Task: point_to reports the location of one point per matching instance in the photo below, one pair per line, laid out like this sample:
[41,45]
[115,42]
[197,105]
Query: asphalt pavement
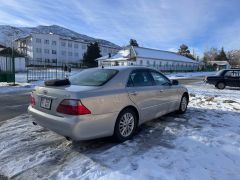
[14,104]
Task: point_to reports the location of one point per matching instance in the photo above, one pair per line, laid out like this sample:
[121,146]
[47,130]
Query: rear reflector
[32,100]
[72,107]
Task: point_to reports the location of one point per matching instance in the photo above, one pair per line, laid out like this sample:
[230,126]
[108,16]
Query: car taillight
[72,107]
[32,100]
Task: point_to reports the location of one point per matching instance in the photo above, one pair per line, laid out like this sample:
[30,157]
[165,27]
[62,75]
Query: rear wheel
[126,125]
[183,105]
[220,85]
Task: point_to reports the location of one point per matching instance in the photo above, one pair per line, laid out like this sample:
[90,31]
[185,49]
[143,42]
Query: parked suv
[227,77]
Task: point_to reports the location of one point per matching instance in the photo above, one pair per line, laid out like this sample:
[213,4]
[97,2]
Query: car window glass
[92,77]
[159,78]
[140,78]
[232,74]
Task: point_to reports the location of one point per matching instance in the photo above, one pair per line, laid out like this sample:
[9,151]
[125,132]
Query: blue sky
[162,24]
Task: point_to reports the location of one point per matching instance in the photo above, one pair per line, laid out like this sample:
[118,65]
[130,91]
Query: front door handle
[160,90]
[133,93]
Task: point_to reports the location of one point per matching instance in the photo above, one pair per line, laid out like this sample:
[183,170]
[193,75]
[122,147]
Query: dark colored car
[226,77]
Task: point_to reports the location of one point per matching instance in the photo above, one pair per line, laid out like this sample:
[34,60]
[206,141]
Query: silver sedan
[112,101]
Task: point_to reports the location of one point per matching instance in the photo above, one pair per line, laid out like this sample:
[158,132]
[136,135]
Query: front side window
[140,78]
[160,79]
[92,77]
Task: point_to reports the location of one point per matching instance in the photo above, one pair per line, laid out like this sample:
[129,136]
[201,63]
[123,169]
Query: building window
[54,60]
[54,43]
[141,62]
[46,51]
[38,50]
[54,52]
[38,40]
[69,44]
[63,53]
[75,45]
[63,44]
[84,46]
[76,54]
[47,60]
[46,41]
[148,63]
[154,63]
[69,53]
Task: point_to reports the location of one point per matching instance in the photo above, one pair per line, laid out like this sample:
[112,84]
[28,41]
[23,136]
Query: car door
[142,92]
[168,94]
[232,78]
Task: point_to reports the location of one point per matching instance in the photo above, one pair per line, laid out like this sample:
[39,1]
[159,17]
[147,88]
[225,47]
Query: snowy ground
[204,144]
[189,74]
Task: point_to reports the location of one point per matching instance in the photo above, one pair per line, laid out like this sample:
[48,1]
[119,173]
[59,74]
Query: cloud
[159,24]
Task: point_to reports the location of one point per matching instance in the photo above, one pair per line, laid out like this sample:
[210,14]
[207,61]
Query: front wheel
[220,85]
[183,105]
[126,125]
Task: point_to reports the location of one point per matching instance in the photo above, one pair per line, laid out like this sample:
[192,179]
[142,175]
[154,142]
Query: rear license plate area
[45,103]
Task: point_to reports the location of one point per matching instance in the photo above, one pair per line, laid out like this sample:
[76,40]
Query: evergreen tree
[184,51]
[221,56]
[89,57]
[133,42]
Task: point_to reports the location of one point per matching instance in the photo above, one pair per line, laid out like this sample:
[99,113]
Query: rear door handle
[133,93]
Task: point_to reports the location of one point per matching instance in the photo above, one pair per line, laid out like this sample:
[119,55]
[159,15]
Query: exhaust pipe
[68,138]
[34,123]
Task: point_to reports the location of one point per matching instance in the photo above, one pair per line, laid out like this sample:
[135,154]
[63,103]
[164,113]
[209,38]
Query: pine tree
[221,56]
[133,42]
[185,51]
[89,57]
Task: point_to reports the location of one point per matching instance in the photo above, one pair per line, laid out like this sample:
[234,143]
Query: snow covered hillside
[7,33]
[201,144]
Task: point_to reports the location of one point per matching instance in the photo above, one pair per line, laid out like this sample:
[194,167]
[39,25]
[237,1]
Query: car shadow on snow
[161,133]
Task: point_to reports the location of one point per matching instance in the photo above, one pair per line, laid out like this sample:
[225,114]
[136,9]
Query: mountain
[8,33]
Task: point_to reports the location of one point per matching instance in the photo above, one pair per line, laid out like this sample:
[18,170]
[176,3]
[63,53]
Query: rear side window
[93,77]
[140,78]
[232,74]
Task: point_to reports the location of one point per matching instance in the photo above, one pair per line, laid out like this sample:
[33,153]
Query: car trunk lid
[47,98]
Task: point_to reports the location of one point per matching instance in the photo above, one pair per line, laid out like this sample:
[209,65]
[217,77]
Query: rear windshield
[219,73]
[92,77]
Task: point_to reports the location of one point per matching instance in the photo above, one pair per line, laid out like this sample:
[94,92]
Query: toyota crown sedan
[100,102]
[225,77]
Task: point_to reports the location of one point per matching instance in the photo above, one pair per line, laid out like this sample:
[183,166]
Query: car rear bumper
[76,127]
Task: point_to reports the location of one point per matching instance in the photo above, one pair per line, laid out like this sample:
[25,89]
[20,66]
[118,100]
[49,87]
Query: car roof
[125,67]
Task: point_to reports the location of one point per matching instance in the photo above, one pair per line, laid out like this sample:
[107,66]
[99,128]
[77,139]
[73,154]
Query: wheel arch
[134,109]
[187,95]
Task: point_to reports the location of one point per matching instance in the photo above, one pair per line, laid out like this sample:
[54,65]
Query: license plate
[46,103]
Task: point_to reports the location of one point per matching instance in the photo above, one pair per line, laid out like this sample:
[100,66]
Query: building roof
[1,46]
[220,63]
[160,54]
[141,52]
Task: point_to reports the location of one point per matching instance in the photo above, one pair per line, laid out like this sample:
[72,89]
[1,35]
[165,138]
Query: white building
[54,48]
[158,59]
[218,65]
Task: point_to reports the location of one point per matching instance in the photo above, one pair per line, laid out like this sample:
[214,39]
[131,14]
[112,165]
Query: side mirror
[175,82]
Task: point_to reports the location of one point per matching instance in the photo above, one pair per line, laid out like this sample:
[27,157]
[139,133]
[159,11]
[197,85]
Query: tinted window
[159,79]
[232,74]
[140,78]
[92,77]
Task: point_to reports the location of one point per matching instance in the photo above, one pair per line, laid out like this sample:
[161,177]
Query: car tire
[220,85]
[183,104]
[126,125]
